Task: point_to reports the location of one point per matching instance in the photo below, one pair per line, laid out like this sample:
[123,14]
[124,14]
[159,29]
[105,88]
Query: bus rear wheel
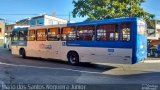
[73,58]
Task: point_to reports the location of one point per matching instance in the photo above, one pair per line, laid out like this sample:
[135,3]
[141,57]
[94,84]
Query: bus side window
[68,33]
[22,35]
[125,31]
[14,36]
[53,34]
[31,35]
[85,33]
[107,32]
[41,35]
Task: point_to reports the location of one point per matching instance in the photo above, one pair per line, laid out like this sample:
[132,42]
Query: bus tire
[73,58]
[23,53]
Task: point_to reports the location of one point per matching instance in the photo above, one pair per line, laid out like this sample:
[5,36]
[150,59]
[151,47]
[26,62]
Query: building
[8,31]
[41,20]
[153,31]
[8,28]
[2,34]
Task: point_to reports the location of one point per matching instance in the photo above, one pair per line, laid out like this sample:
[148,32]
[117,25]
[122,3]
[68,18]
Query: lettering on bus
[110,50]
[44,46]
[63,43]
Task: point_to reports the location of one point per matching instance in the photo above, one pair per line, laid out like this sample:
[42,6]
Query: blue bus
[120,40]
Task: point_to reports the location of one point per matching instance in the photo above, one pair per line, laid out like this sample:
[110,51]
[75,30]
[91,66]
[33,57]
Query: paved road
[15,70]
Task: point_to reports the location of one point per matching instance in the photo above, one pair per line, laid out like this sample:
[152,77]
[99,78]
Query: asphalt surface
[15,70]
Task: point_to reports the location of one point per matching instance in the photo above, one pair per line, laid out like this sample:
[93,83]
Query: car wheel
[156,55]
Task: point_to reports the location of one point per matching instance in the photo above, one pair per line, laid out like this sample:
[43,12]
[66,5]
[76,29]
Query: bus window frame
[26,33]
[117,28]
[34,35]
[45,33]
[12,40]
[58,33]
[121,33]
[93,35]
[61,32]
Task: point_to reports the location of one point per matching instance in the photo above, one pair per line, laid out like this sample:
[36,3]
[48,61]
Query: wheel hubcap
[72,59]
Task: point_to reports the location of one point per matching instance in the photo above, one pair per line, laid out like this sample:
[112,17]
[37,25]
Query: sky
[62,8]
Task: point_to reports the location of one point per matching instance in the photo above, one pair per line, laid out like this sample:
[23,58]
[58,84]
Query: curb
[151,61]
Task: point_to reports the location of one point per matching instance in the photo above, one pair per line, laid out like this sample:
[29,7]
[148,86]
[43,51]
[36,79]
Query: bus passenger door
[56,47]
[52,50]
[49,50]
[14,42]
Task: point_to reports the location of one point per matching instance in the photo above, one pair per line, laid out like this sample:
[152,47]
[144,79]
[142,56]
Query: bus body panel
[44,49]
[15,50]
[114,55]
[106,53]
[103,55]
[87,54]
[141,52]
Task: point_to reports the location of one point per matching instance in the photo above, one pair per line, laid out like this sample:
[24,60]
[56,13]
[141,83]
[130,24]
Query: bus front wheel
[23,53]
[73,58]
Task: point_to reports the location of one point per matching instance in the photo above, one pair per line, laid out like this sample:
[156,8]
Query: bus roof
[48,26]
[20,28]
[95,22]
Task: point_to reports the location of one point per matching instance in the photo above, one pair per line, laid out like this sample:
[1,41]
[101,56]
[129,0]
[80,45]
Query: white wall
[2,34]
[49,20]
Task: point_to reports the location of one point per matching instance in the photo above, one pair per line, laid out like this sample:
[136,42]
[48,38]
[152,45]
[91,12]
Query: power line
[30,14]
[17,14]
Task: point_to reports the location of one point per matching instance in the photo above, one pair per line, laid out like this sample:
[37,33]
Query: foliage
[106,9]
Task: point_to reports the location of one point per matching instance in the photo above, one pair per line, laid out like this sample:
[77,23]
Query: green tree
[106,9]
